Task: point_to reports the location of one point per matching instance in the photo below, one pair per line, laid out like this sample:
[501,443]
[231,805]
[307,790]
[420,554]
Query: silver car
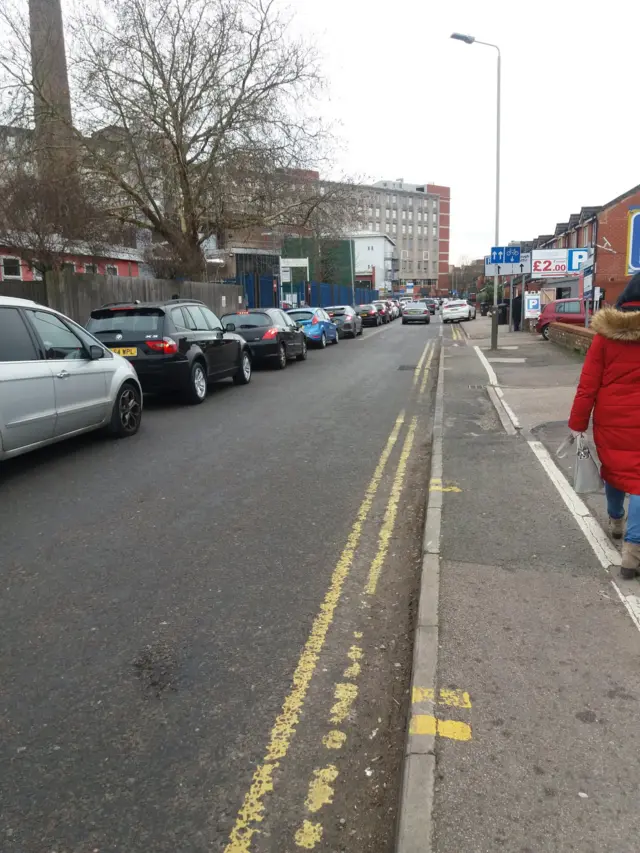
[57,380]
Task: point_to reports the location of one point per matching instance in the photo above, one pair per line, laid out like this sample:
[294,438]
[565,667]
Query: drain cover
[407,367]
[476,387]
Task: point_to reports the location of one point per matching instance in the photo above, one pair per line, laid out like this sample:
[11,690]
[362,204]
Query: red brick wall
[611,269]
[443,233]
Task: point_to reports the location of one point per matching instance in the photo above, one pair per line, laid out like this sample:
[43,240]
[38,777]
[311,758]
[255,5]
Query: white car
[57,380]
[456,310]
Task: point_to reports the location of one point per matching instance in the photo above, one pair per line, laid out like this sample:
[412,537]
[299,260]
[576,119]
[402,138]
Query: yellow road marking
[357,635]
[251,811]
[452,698]
[384,537]
[334,739]
[436,485]
[345,694]
[321,788]
[308,835]
[416,372]
[425,374]
[426,724]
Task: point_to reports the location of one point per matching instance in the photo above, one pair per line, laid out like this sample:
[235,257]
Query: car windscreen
[301,315]
[247,321]
[130,323]
[338,311]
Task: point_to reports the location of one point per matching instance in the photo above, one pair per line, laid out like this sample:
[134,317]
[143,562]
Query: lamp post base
[494,328]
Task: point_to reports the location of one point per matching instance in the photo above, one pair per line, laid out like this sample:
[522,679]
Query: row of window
[406,214]
[419,230]
[12,268]
[579,238]
[62,341]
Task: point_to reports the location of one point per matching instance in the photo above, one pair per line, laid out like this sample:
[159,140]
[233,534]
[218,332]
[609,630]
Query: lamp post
[494,316]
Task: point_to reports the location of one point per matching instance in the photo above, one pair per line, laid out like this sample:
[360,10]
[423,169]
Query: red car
[561,311]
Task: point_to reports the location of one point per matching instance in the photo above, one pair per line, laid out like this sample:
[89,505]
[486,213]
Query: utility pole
[353,284]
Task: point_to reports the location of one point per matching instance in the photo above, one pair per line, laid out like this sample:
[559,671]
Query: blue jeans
[615,508]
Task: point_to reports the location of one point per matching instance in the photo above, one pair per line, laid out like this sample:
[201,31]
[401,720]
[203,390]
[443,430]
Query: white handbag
[586,476]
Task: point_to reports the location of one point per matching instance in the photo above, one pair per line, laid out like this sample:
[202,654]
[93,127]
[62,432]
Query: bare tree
[190,118]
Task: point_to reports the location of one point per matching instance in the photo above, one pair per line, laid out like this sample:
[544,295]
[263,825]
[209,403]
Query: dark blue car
[316,324]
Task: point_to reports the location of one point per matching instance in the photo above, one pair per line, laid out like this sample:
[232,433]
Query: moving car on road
[177,345]
[346,319]
[57,381]
[431,304]
[455,310]
[472,305]
[369,315]
[560,311]
[272,335]
[415,312]
[316,324]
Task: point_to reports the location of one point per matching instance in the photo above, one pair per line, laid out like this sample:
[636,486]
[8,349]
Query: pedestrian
[610,388]
[517,312]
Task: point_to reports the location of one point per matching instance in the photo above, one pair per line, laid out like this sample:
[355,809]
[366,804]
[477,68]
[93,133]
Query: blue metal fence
[259,293]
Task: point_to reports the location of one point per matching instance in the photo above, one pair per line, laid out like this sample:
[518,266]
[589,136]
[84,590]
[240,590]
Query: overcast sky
[415,105]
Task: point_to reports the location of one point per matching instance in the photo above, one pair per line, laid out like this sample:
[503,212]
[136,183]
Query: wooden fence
[77,295]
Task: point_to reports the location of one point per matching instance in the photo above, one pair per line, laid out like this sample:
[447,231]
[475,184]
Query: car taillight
[372,313]
[167,346]
[315,321]
[426,311]
[270,334]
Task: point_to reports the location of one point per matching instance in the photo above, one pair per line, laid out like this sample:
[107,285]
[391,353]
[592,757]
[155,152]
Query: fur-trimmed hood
[617,325]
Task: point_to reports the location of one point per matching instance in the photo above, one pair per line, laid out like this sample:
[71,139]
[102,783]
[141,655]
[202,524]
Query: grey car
[57,381]
[349,322]
[415,312]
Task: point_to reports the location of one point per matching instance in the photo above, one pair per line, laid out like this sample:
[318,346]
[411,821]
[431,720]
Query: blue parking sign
[633,245]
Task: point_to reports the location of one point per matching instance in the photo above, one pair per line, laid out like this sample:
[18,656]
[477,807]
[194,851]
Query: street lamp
[494,317]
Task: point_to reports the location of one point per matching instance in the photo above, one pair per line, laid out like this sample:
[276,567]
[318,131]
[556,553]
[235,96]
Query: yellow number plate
[125,351]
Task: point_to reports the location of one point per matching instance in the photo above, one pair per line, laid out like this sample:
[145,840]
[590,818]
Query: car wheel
[243,374]
[197,389]
[360,333]
[405,322]
[545,332]
[323,341]
[127,412]
[282,357]
[337,340]
[302,355]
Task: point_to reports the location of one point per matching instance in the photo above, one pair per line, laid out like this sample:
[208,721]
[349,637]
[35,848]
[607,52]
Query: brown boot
[616,527]
[630,561]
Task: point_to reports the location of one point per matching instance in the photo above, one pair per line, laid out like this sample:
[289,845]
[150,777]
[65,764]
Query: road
[205,631]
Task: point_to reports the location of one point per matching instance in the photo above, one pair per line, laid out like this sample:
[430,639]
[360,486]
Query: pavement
[206,630]
[531,627]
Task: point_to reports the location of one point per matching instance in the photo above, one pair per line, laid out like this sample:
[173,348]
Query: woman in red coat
[610,387]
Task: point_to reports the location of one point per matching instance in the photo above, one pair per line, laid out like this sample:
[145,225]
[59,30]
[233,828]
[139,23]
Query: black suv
[174,345]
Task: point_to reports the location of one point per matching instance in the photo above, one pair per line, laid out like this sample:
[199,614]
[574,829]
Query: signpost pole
[523,308]
[511,303]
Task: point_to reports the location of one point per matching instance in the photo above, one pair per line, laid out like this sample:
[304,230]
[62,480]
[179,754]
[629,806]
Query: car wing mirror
[230,327]
[95,352]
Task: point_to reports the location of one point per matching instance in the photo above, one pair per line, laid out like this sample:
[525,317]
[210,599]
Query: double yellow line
[427,354]
[252,810]
[456,333]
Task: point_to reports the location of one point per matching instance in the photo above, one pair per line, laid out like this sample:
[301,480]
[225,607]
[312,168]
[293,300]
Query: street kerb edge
[415,822]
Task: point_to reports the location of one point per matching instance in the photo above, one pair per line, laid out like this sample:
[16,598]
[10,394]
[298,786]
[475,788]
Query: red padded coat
[610,387]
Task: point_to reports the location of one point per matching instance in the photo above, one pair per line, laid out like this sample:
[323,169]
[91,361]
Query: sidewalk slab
[531,627]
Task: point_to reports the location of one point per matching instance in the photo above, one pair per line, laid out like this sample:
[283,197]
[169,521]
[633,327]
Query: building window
[393,199]
[370,211]
[411,229]
[411,215]
[69,266]
[377,213]
[11,268]
[435,230]
[111,269]
[404,229]
[370,226]
[36,273]
[387,228]
[585,238]
[387,213]
[395,228]
[404,214]
[91,269]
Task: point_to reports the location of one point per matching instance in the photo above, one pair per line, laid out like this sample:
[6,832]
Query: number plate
[127,352]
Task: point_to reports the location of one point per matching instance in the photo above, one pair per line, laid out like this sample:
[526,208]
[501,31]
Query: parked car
[369,315]
[415,312]
[561,311]
[383,310]
[316,324]
[272,335]
[175,345]
[391,307]
[455,310]
[472,305]
[346,319]
[57,381]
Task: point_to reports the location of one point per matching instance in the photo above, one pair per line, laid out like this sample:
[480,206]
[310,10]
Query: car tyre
[127,412]
[405,322]
[302,355]
[337,340]
[243,374]
[323,341]
[545,332]
[361,332]
[281,361]
[196,391]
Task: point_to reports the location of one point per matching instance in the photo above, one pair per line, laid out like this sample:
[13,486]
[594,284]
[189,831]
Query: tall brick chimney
[52,101]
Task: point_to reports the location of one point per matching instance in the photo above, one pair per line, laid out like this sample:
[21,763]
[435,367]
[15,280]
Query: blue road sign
[633,248]
[497,254]
[576,258]
[512,254]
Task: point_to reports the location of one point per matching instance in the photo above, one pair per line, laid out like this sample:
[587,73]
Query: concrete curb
[415,822]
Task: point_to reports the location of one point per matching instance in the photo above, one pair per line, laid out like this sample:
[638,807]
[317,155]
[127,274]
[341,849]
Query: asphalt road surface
[205,630]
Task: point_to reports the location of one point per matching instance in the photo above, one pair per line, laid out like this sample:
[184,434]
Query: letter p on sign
[576,258]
